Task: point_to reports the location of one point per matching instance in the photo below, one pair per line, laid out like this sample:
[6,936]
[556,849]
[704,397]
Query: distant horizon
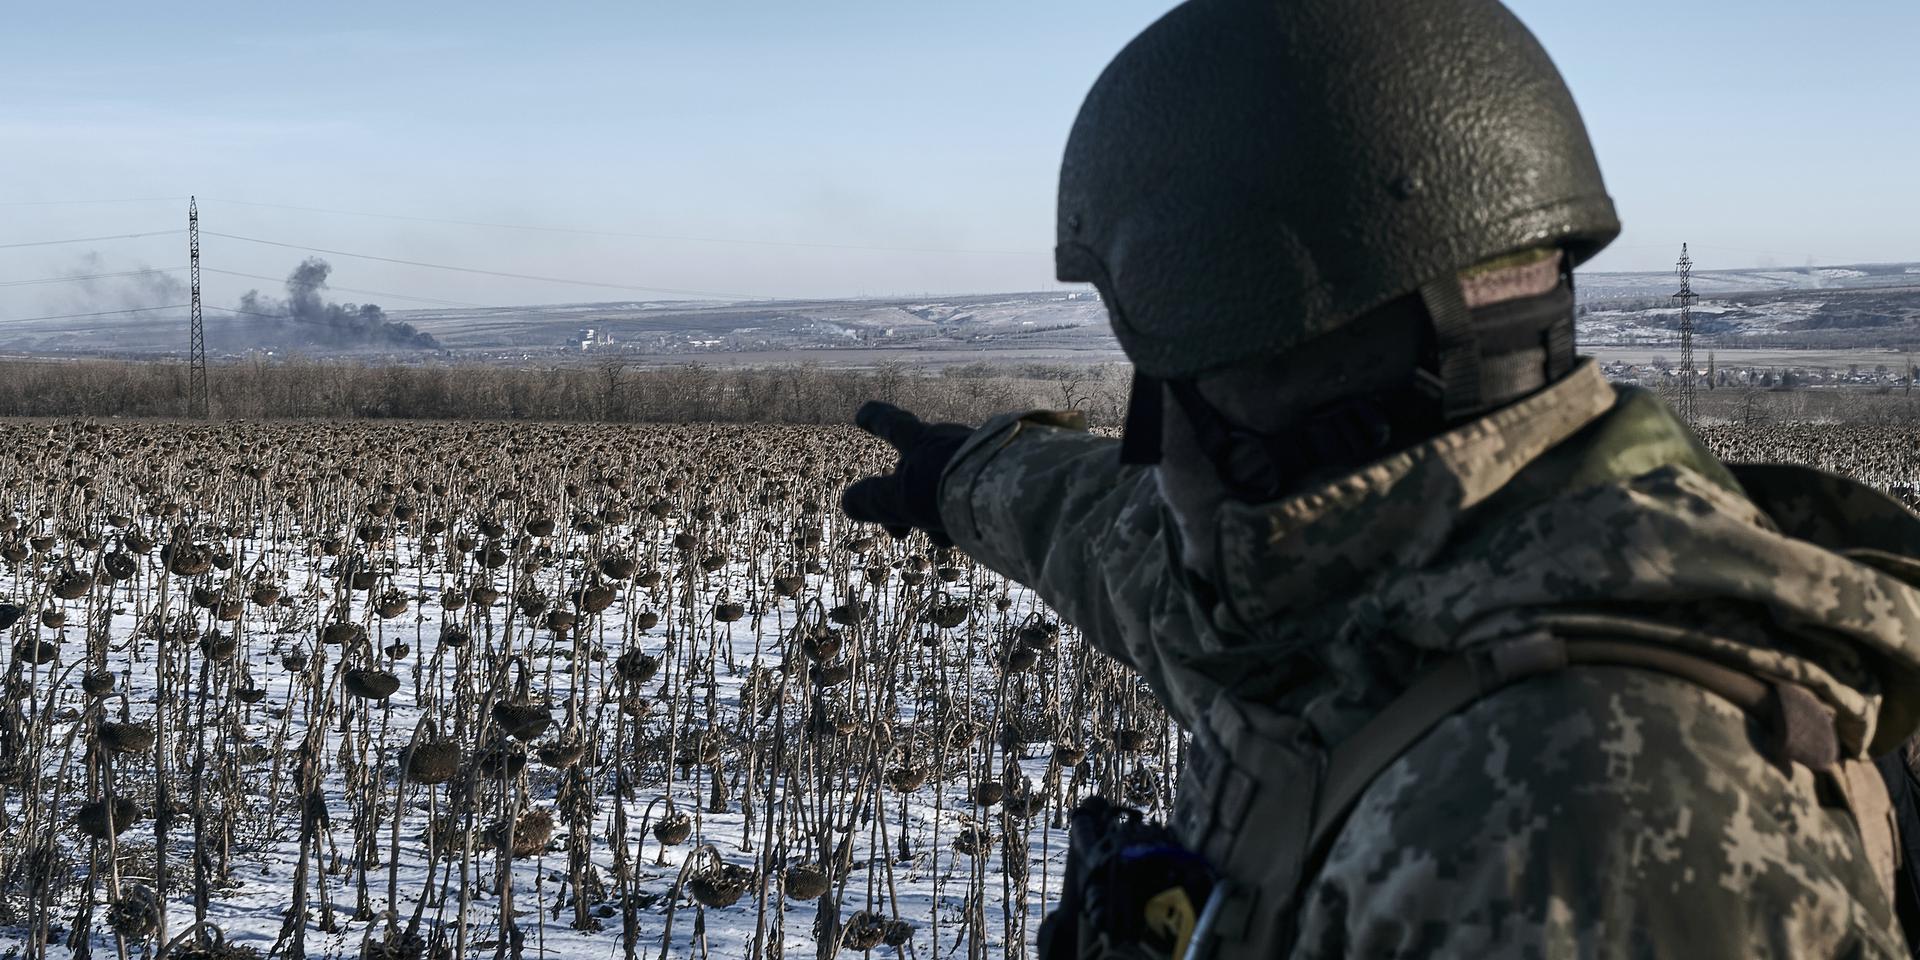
[1064,291]
[347,295]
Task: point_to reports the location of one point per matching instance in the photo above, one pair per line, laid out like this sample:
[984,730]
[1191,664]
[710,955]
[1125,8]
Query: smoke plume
[100,285]
[307,318]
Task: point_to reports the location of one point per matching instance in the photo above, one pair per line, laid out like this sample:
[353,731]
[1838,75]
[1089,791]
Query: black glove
[910,496]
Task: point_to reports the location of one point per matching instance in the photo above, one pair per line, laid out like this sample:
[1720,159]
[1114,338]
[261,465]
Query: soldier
[1480,654]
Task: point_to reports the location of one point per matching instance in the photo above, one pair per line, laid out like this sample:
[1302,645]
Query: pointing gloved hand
[910,496]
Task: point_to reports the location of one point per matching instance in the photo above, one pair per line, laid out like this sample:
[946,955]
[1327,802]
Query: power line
[636,236]
[65,203]
[118,236]
[493,273]
[171,306]
[331,287]
[1778,254]
[255,313]
[281,317]
[235,273]
[102,313]
[91,276]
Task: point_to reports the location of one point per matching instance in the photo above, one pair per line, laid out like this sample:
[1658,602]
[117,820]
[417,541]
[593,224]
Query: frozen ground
[805,763]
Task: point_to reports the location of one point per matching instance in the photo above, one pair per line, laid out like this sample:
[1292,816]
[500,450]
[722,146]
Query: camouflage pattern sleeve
[1603,812]
[1038,499]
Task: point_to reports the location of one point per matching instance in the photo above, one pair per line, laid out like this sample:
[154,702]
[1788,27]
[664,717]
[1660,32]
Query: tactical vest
[1262,799]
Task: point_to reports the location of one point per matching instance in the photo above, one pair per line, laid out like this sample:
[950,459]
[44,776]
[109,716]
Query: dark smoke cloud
[306,318]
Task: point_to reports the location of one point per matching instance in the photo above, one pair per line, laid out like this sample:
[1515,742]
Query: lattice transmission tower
[197,406]
[1686,297]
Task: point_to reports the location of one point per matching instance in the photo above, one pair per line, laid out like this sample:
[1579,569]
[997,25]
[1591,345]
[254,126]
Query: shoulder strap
[1802,728]
[1223,787]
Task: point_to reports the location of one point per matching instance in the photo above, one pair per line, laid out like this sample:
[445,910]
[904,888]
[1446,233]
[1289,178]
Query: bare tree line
[609,391]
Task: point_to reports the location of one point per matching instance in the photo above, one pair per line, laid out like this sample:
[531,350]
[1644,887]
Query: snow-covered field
[1606,285]
[1710,317]
[596,634]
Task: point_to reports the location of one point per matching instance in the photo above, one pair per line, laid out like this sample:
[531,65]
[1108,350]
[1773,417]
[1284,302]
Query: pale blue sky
[927,134]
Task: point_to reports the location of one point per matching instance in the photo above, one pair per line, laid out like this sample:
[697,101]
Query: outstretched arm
[1038,499]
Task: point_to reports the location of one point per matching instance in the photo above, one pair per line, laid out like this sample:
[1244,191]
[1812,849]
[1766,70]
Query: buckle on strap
[1524,656]
[1802,729]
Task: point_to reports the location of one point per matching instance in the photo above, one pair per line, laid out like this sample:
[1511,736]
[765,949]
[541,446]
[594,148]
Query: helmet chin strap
[1456,348]
[1479,359]
[1492,355]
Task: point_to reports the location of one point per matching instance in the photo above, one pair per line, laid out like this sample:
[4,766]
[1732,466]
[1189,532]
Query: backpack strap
[1238,777]
[1800,727]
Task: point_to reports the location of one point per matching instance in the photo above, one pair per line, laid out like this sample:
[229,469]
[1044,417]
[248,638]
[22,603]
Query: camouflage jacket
[1600,811]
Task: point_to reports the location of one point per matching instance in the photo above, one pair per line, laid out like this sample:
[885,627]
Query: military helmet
[1250,174]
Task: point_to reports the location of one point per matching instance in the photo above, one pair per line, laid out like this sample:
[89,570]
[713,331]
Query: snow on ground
[907,670]
[251,912]
[1608,327]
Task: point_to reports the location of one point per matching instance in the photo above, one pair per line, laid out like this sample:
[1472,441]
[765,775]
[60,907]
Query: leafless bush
[608,391]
